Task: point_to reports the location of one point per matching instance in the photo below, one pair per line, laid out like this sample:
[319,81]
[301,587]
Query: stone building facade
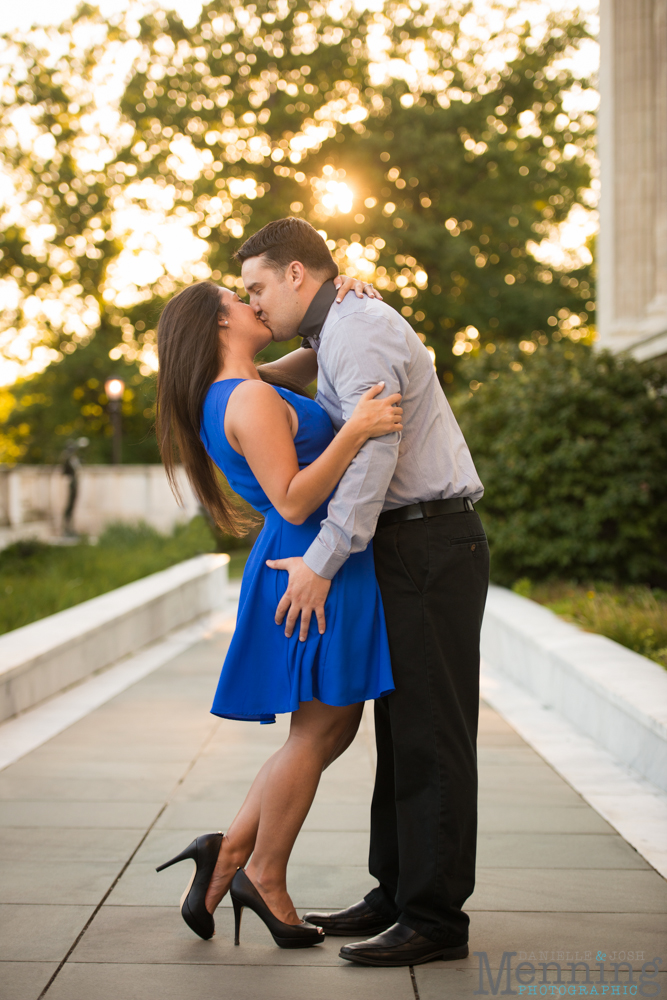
[632,252]
[34,497]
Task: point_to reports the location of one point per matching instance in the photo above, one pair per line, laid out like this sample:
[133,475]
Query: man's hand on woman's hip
[305,595]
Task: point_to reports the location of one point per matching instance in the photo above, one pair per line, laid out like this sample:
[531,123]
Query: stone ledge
[615,696]
[47,656]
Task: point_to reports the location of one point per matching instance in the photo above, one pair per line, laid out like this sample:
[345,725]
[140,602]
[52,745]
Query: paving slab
[45,789]
[206,785]
[33,933]
[515,818]
[355,817]
[532,795]
[41,881]
[157,935]
[541,937]
[203,815]
[490,722]
[131,784]
[125,815]
[141,885]
[556,850]
[434,983]
[513,756]
[578,891]
[217,789]
[328,887]
[124,751]
[316,847]
[311,886]
[312,847]
[526,785]
[59,766]
[216,816]
[67,844]
[522,774]
[505,738]
[25,980]
[248,982]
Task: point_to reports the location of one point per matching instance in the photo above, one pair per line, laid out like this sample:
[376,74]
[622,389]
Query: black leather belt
[428,508]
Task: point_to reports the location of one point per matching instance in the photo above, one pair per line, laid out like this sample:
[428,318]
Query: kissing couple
[367,581]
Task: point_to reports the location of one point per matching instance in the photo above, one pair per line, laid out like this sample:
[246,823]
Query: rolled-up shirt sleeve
[361,352]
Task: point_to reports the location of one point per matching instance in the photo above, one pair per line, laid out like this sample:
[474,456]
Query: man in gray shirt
[363,341]
[413,495]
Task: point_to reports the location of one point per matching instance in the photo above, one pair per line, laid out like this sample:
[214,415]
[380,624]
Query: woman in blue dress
[277,449]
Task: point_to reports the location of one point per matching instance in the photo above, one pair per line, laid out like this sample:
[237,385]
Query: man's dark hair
[284,240]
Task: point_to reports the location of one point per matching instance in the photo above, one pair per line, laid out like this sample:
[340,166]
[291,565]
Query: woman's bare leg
[318,735]
[239,841]
[316,732]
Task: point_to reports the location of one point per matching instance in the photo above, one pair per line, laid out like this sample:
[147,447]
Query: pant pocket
[413,552]
[472,541]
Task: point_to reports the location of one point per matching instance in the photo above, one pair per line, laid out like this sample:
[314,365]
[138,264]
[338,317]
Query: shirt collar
[317,311]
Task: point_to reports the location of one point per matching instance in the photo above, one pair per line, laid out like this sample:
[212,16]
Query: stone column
[632,257]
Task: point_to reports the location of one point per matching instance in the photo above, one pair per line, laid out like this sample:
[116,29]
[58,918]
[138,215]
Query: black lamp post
[114,388]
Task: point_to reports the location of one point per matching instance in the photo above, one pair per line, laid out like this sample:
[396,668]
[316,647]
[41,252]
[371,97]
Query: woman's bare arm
[259,426]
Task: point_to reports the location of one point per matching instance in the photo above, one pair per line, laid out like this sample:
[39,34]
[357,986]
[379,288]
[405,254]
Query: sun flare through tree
[444,154]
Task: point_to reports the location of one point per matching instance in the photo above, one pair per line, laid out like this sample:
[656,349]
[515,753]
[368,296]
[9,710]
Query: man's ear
[296,274]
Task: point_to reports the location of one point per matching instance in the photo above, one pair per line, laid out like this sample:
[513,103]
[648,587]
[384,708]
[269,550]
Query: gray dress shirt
[360,342]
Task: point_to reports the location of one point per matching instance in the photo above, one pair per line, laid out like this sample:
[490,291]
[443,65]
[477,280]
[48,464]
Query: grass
[37,579]
[237,561]
[635,617]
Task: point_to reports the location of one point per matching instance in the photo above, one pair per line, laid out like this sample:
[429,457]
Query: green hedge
[571,445]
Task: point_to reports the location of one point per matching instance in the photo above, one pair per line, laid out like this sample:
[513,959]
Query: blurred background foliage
[67,401]
[440,160]
[571,445]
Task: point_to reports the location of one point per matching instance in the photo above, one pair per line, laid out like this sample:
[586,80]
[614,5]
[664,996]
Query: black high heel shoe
[244,893]
[204,852]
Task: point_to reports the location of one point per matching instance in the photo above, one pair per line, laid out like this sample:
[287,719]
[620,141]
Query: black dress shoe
[356,919]
[400,945]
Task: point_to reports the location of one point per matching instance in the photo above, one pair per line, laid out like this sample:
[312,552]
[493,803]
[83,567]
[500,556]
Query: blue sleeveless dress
[265,673]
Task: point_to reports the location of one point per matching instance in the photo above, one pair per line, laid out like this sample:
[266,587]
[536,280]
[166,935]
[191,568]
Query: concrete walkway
[87,816]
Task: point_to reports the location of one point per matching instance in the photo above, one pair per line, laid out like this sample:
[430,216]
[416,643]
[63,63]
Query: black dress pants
[433,575]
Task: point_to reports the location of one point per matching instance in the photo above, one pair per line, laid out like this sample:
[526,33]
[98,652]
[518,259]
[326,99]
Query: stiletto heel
[204,852]
[189,852]
[244,893]
[238,913]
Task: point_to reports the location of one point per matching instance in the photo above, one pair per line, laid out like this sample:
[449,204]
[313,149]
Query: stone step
[49,655]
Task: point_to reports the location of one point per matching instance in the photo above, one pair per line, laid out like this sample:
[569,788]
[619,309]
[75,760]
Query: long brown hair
[190,357]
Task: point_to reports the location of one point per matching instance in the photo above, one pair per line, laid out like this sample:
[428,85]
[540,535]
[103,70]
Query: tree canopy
[435,152]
